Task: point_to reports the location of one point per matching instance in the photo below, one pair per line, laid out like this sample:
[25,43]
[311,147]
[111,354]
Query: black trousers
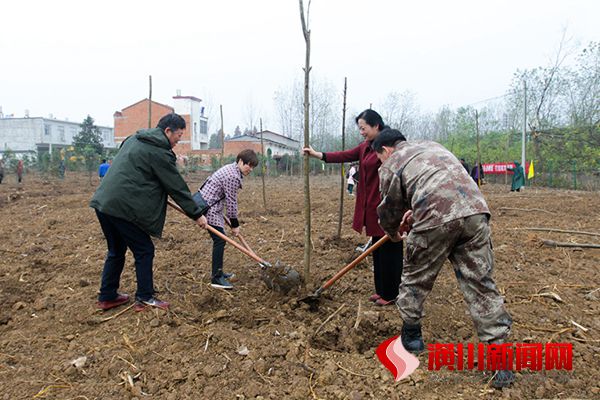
[387,268]
[217,252]
[120,235]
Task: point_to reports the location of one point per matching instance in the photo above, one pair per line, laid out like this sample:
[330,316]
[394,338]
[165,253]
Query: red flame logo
[396,359]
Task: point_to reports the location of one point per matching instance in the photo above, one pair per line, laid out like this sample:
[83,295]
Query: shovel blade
[281,278]
[313,301]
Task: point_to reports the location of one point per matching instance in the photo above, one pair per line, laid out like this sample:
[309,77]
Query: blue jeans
[120,235]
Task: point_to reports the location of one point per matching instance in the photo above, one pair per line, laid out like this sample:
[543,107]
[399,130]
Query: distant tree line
[563,115]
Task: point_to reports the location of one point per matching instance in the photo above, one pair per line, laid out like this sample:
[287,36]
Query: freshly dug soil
[254,342]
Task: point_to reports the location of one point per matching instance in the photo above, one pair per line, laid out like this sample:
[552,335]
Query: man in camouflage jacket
[429,200]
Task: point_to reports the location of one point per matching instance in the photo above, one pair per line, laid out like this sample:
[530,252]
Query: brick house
[134,117]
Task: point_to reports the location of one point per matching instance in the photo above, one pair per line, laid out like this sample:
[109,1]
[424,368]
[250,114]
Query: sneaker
[228,276]
[107,305]
[221,282]
[412,339]
[363,248]
[374,297]
[140,305]
[382,302]
[503,378]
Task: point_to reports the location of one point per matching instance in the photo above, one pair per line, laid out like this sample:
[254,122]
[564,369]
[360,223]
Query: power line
[491,98]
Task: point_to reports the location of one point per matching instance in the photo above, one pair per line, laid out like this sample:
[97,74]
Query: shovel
[314,298]
[243,241]
[277,277]
[251,254]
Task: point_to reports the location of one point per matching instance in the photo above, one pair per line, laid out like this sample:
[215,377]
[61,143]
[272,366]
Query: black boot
[412,340]
[503,378]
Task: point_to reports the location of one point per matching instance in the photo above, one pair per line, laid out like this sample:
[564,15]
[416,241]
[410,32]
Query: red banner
[499,168]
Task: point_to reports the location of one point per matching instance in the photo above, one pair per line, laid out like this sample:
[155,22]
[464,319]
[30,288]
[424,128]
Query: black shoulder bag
[200,202]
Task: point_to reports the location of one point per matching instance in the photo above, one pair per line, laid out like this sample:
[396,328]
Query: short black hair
[387,137]
[372,118]
[104,161]
[248,157]
[173,121]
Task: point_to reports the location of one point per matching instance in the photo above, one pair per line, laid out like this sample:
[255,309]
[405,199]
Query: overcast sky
[73,58]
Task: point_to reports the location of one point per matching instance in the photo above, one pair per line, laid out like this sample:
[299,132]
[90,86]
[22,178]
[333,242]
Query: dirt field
[254,343]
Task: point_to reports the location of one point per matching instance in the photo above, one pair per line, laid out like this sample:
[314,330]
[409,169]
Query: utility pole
[222,137]
[150,102]
[523,159]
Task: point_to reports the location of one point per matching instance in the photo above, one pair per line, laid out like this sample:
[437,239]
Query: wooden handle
[353,264]
[224,237]
[240,237]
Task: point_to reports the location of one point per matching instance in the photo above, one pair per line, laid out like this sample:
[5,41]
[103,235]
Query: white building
[275,145]
[197,125]
[37,135]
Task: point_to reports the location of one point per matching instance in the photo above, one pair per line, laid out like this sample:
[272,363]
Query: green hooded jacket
[518,179]
[136,186]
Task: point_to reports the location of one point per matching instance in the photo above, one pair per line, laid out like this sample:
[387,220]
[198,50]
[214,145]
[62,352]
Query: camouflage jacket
[426,178]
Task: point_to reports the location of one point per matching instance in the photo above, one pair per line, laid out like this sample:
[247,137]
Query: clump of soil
[282,278]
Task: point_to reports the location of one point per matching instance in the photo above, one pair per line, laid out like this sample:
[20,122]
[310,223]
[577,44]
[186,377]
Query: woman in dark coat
[477,174]
[387,260]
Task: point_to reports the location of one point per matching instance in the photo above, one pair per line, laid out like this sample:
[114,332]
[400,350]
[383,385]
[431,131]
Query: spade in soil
[278,277]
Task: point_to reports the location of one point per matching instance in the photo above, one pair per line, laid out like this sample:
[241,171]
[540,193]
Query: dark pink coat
[367,192]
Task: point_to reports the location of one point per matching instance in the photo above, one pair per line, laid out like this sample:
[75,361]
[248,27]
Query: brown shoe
[107,305]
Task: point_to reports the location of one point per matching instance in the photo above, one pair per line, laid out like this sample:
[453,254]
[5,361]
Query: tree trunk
[263,169]
[307,212]
[479,167]
[342,173]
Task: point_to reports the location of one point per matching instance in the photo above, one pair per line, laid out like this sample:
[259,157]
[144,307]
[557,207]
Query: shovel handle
[224,237]
[353,264]
[240,237]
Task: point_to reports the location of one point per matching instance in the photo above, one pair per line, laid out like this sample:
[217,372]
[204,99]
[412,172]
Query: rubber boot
[412,339]
[503,378]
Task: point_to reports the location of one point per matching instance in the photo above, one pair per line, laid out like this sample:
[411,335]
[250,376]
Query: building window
[47,130]
[61,134]
[195,131]
[203,127]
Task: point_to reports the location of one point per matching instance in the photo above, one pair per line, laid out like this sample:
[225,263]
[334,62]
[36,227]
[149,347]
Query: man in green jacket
[131,205]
